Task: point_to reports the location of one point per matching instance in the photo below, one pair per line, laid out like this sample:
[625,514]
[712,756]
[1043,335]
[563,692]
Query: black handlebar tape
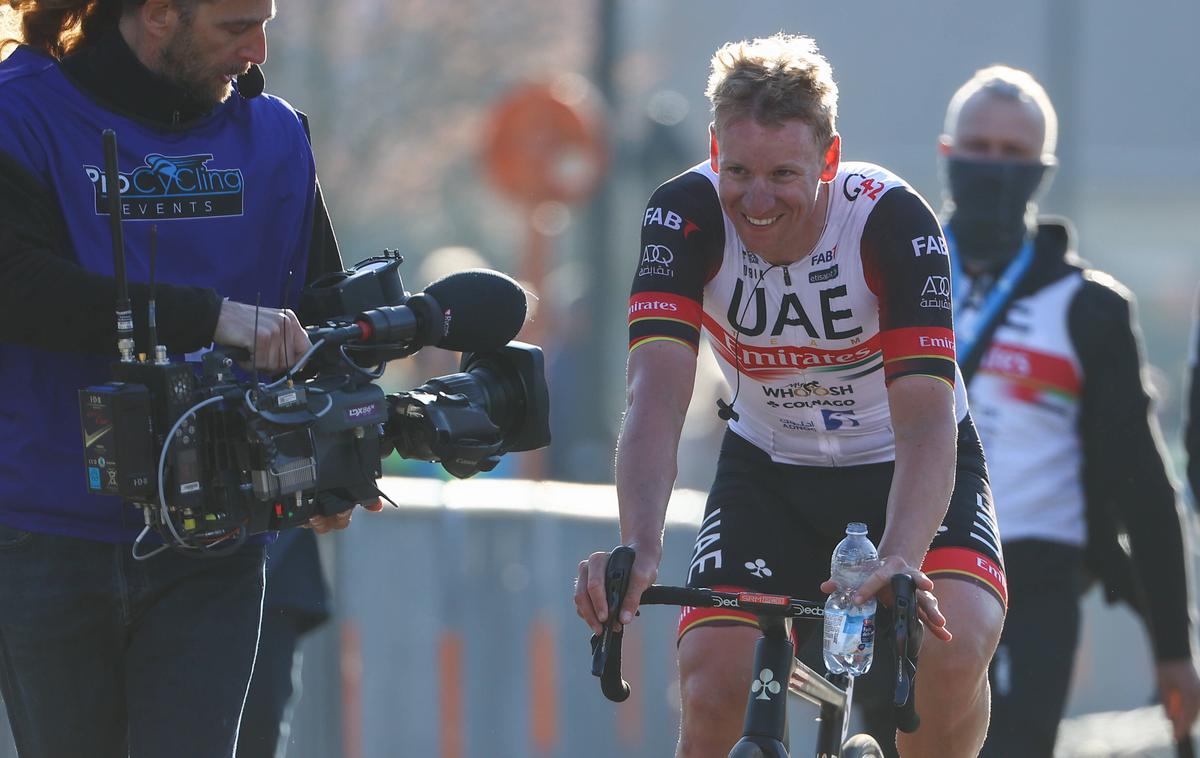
[657,594]
[909,633]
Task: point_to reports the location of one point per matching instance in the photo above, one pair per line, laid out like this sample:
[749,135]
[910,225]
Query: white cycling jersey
[809,347]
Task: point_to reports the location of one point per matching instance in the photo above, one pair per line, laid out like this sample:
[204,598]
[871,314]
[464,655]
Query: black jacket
[1134,536]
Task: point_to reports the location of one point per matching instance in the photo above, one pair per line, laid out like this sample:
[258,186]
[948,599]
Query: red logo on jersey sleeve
[918,342]
[664,305]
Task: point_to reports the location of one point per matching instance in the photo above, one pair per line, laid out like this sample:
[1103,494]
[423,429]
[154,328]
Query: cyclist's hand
[1179,689]
[879,585]
[590,602]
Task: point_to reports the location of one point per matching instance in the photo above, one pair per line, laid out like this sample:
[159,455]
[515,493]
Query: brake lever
[606,647]
[909,634]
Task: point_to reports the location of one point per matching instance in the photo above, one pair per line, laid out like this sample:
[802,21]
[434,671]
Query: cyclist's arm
[905,265]
[922,409]
[682,243]
[661,377]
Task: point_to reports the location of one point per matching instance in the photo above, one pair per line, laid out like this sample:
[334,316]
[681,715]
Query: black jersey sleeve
[683,237]
[906,265]
[1126,482]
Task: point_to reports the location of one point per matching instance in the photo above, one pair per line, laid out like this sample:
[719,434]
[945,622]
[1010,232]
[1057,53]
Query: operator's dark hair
[59,27]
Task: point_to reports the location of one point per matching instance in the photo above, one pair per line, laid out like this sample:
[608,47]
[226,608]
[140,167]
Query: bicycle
[765,731]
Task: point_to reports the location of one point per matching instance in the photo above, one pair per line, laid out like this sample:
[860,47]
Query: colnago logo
[765,685]
[173,186]
[929,245]
[817,403]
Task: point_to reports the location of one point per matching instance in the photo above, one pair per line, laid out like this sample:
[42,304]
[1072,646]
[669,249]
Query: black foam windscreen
[251,83]
[481,309]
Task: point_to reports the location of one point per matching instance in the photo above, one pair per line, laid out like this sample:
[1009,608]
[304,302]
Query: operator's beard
[180,63]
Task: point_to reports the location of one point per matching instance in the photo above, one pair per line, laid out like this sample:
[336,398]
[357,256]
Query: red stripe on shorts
[959,561]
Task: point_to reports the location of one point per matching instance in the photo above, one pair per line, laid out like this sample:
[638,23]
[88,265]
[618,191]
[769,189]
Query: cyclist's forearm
[646,469]
[923,481]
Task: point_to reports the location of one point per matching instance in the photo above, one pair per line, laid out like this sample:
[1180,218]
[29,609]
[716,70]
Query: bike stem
[766,710]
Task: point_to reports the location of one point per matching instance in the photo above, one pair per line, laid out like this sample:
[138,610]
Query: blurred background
[422,113]
[403,98]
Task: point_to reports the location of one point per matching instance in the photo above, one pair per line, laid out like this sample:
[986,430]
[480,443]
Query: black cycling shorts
[772,527]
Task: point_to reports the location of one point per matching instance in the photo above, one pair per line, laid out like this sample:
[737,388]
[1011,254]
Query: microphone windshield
[481,309]
[251,83]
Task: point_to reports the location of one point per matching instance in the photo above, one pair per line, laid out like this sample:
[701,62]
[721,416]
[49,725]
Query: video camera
[214,456]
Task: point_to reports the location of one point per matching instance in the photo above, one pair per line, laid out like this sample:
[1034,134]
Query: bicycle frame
[765,725]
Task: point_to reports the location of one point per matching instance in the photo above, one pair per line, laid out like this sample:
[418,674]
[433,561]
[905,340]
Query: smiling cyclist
[823,286]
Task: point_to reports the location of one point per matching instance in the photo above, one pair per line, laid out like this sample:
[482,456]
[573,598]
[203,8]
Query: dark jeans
[104,656]
[1031,671]
[274,689]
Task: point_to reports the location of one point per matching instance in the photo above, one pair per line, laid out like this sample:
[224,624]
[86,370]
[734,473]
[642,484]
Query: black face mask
[991,206]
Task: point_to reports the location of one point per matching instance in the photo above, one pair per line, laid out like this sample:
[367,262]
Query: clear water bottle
[849,643]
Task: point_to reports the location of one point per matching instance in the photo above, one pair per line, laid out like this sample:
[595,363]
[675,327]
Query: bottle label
[848,634]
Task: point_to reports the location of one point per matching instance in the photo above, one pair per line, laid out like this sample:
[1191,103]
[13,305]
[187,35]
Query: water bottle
[849,643]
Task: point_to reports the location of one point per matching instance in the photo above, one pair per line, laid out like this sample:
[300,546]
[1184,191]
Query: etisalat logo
[173,186]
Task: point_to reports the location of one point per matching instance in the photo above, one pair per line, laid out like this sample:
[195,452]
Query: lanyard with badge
[972,324]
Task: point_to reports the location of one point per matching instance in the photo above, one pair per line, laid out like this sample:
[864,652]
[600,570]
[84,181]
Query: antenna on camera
[254,340]
[287,292]
[112,180]
[160,351]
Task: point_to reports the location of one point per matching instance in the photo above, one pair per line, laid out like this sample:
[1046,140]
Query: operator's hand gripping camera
[213,456]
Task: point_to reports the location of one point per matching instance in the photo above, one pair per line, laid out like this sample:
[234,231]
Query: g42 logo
[870,187]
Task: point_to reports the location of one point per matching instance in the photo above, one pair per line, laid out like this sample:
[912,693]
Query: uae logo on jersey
[172,186]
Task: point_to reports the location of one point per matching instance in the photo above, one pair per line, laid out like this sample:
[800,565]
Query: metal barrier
[486,657]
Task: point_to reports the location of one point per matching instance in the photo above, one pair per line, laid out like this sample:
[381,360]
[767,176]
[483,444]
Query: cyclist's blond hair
[774,79]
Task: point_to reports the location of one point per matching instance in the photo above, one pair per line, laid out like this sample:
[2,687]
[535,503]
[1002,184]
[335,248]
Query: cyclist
[824,289]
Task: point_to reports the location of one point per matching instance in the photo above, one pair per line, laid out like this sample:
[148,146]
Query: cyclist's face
[770,183]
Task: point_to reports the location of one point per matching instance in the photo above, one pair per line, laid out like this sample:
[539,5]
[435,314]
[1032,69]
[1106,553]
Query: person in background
[1051,351]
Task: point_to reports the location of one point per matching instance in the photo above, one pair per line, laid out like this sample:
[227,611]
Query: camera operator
[101,654]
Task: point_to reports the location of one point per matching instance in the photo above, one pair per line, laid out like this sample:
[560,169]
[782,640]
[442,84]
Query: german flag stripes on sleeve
[655,316]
